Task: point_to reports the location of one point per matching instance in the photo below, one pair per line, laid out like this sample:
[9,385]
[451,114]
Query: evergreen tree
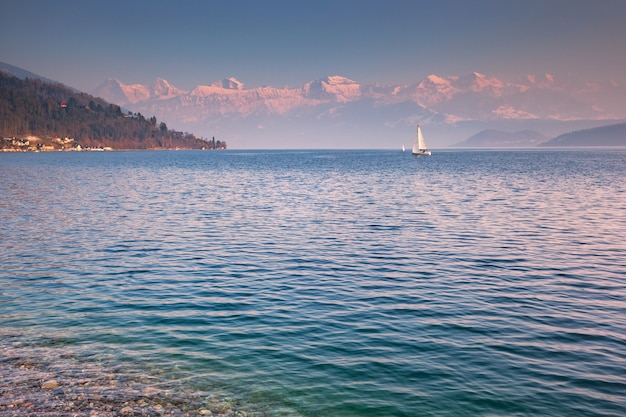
[51,111]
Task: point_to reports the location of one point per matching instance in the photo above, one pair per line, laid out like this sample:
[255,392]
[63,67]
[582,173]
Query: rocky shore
[41,381]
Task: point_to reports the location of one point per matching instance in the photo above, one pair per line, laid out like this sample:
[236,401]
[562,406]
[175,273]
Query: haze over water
[328,283]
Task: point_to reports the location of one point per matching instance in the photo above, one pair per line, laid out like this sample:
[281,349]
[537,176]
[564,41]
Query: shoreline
[52,382]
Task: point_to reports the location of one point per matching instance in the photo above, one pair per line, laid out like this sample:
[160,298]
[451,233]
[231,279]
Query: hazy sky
[279,43]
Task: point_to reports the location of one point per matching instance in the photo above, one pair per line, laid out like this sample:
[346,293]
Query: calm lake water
[329,283]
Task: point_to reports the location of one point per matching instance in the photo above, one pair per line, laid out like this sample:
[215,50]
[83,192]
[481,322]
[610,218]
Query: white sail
[420,139]
[419,146]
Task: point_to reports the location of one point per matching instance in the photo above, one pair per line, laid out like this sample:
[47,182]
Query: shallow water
[328,283]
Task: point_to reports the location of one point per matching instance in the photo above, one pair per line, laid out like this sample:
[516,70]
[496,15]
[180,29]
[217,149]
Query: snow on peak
[477,82]
[337,80]
[113,81]
[437,80]
[228,86]
[161,81]
[435,89]
[450,96]
[108,86]
[509,112]
[333,87]
[162,89]
[230,83]
[112,90]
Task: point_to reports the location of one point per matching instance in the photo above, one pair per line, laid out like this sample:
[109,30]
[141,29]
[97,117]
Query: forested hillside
[36,114]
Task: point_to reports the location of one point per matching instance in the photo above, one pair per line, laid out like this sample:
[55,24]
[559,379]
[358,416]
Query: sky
[289,43]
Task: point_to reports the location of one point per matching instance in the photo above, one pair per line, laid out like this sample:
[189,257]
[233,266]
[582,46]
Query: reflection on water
[329,283]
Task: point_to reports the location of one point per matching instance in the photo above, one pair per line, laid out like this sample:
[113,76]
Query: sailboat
[419,146]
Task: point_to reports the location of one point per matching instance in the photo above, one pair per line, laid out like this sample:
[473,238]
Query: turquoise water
[329,283]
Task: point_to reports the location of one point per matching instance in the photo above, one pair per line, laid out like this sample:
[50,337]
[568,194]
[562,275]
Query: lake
[320,283]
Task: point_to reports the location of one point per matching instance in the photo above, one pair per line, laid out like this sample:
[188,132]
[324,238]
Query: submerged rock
[51,384]
[126,411]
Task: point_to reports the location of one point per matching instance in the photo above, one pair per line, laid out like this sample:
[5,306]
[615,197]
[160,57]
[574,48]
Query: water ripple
[326,283]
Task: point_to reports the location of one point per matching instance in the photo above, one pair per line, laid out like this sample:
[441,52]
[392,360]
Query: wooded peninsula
[37,115]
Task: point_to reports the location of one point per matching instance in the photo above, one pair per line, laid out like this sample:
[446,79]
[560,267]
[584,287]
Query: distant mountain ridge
[494,138]
[535,98]
[612,135]
[338,111]
[333,104]
[116,92]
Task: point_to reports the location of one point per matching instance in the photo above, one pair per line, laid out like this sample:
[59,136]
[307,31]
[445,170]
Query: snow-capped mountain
[336,103]
[334,88]
[117,92]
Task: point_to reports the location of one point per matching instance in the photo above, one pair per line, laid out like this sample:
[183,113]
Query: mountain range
[336,111]
[322,112]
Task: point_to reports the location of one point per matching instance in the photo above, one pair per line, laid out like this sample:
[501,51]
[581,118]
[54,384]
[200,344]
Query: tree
[32,107]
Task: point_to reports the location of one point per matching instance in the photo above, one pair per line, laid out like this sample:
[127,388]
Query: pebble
[56,386]
[51,384]
[126,411]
